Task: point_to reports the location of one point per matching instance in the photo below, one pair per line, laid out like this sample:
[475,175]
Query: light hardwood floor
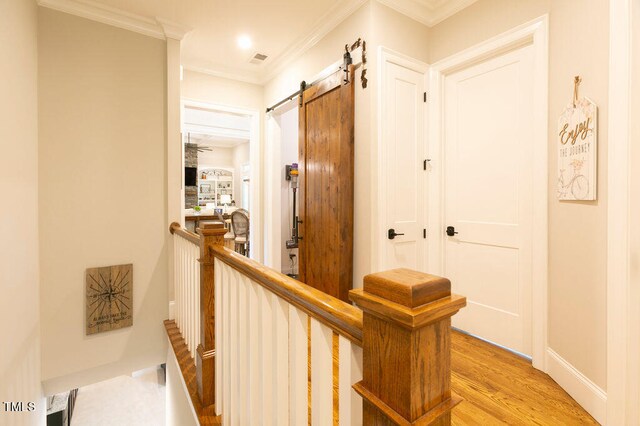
[500,388]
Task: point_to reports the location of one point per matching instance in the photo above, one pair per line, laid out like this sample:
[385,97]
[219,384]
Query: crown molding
[244,77]
[173,30]
[158,28]
[428,12]
[329,21]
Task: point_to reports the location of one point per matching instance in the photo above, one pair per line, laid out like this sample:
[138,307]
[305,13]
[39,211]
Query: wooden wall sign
[577,149]
[109,293]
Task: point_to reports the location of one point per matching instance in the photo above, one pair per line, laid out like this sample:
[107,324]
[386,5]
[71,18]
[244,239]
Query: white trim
[533,33]
[173,30]
[589,395]
[255,155]
[428,13]
[185,390]
[245,77]
[326,23]
[379,221]
[157,28]
[621,309]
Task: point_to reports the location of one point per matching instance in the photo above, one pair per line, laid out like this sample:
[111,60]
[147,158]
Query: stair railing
[275,351]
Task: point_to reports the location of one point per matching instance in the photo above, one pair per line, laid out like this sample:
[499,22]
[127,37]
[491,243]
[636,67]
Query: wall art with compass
[109,302]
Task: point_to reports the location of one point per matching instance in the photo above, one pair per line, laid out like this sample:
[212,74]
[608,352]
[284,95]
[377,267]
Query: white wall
[288,154]
[240,156]
[179,411]
[103,197]
[20,373]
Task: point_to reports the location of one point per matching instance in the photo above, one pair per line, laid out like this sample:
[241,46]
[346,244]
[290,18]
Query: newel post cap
[408,298]
[212,230]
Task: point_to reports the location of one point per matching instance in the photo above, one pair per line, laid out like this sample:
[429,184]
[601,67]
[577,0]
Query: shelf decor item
[578,149]
[205,188]
[109,298]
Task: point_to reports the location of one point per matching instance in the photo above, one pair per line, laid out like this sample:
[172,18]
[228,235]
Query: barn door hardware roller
[347,60]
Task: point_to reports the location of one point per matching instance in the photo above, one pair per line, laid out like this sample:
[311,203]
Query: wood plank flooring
[500,388]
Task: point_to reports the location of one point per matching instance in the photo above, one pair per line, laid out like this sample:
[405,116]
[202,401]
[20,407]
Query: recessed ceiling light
[244,42]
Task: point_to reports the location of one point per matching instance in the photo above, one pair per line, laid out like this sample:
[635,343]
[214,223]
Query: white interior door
[403,177]
[488,140]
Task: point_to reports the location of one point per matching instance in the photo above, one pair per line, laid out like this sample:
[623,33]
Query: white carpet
[123,401]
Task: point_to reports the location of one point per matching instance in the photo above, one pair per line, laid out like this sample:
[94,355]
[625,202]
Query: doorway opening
[220,152]
[283,152]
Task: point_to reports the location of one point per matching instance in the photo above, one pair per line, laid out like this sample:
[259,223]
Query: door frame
[623,311]
[255,154]
[380,220]
[534,33]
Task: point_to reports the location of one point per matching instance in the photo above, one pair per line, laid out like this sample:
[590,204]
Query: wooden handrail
[175,228]
[343,318]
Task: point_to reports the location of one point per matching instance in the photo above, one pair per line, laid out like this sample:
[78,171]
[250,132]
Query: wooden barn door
[326,185]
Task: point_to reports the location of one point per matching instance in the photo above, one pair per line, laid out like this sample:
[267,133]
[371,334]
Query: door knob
[392,233]
[451,231]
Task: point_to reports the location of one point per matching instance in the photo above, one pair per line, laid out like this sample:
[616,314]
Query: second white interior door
[403,180]
[488,140]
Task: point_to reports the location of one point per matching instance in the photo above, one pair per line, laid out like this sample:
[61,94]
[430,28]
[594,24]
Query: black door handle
[451,231]
[392,234]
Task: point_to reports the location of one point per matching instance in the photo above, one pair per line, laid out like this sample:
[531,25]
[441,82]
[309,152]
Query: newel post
[406,343]
[211,235]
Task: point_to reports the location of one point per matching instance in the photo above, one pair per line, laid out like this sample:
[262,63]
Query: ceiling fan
[199,148]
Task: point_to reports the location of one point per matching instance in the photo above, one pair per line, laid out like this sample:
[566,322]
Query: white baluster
[266,352]
[255,402]
[199,310]
[298,367]
[243,350]
[281,360]
[189,296]
[349,372]
[220,346]
[321,374]
[226,360]
[234,349]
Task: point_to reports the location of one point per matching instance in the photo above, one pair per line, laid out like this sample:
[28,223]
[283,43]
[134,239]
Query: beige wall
[219,157]
[579,35]
[102,192]
[19,303]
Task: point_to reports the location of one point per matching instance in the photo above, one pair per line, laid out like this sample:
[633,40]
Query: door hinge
[425,96]
[424,233]
[424,164]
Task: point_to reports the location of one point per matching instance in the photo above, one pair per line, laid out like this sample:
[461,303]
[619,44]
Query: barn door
[326,184]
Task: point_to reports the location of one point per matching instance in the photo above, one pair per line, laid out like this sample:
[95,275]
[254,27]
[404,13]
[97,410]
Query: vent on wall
[257,59]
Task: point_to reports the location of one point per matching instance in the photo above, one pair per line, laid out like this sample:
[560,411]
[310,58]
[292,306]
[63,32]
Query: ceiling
[280,29]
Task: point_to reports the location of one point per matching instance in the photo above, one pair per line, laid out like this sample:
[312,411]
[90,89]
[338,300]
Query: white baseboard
[589,395]
[172,307]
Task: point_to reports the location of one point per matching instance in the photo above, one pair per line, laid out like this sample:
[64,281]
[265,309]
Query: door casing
[534,33]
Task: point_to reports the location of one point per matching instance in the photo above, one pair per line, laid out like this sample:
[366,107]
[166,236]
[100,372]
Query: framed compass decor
[109,292]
